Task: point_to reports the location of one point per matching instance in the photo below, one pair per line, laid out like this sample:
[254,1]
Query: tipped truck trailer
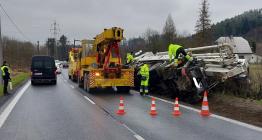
[101,65]
[211,66]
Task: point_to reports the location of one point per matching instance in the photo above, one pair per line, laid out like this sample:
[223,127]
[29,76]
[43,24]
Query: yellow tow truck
[101,65]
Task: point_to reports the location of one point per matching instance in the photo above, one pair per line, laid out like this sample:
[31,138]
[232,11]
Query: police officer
[174,50]
[129,58]
[144,72]
[6,76]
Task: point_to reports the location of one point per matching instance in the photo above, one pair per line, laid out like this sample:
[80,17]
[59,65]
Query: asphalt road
[65,112]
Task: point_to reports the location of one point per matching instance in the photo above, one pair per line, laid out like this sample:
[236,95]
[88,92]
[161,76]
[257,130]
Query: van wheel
[32,83]
[54,82]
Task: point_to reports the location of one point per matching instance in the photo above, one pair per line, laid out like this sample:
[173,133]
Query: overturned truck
[211,66]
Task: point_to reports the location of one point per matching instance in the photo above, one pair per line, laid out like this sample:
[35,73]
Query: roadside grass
[259,102]
[16,80]
[255,74]
[250,89]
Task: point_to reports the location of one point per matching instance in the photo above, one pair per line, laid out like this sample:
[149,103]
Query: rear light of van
[55,71]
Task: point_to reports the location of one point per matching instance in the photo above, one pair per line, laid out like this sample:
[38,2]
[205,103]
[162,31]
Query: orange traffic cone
[176,111]
[205,108]
[121,108]
[153,107]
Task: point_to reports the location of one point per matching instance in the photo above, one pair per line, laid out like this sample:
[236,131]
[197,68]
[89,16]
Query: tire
[69,77]
[80,82]
[33,83]
[124,89]
[85,82]
[54,82]
[90,90]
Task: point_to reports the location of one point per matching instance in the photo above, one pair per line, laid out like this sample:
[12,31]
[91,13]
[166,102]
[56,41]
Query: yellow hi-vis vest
[172,49]
[2,69]
[129,58]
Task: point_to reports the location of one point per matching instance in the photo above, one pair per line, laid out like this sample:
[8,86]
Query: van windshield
[43,63]
[37,64]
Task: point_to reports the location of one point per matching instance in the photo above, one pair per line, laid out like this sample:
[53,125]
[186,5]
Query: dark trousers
[5,85]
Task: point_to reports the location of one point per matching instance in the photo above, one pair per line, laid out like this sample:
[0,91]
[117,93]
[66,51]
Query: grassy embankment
[255,74]
[17,79]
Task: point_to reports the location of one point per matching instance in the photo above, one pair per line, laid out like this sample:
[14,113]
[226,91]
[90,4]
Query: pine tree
[203,24]
[169,30]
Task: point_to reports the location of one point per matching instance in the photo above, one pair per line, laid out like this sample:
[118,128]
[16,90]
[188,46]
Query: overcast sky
[85,18]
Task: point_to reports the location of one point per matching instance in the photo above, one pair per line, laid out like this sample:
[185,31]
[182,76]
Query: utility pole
[54,31]
[38,51]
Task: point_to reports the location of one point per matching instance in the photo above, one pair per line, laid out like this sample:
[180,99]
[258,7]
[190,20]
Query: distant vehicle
[64,64]
[58,63]
[43,70]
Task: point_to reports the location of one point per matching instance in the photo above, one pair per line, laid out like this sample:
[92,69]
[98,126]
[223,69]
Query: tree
[228,29]
[18,53]
[153,40]
[63,47]
[169,31]
[203,25]
[63,40]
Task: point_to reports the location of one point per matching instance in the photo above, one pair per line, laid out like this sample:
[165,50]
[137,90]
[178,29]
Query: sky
[84,19]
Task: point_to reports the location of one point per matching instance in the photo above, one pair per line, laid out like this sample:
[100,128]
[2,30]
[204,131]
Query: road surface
[65,112]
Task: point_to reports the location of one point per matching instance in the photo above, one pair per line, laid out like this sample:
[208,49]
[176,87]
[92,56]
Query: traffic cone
[121,108]
[153,107]
[205,108]
[176,111]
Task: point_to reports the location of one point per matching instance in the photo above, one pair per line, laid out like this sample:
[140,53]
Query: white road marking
[89,100]
[138,137]
[72,86]
[215,116]
[12,104]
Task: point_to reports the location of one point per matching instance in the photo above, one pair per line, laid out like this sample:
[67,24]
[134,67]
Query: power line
[12,21]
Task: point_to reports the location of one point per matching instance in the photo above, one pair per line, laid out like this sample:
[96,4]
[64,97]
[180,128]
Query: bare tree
[153,40]
[18,53]
[203,25]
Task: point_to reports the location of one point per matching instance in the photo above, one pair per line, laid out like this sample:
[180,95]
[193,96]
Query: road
[65,112]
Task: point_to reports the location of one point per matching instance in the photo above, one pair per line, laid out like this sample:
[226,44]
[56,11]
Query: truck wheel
[85,81]
[80,82]
[90,90]
[124,89]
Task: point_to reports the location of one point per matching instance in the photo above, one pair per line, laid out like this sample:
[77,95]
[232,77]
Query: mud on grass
[245,110]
